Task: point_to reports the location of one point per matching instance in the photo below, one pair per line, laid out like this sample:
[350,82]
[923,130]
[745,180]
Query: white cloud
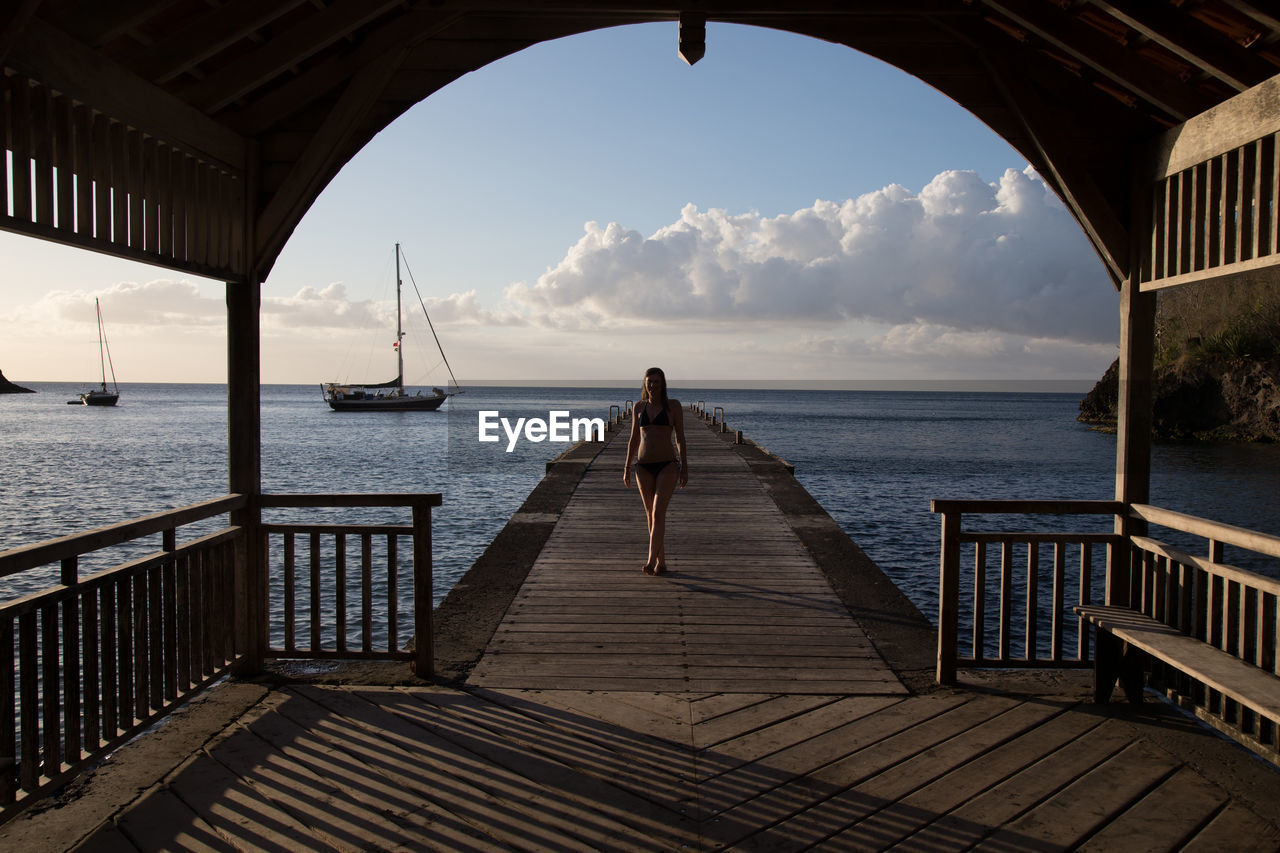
[134,307]
[961,253]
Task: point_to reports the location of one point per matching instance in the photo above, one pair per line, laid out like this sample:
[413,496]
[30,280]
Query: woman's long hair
[662,391]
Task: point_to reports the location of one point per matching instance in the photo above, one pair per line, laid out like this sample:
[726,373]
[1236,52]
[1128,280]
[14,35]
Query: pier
[761,696]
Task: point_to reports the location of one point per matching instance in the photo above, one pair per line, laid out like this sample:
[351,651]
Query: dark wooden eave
[277,95]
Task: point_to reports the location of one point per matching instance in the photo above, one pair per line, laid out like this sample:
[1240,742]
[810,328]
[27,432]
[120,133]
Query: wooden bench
[1125,635]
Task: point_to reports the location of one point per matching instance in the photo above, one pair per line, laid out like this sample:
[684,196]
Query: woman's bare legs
[655,492]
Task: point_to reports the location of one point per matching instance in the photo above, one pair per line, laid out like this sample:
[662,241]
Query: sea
[874,459]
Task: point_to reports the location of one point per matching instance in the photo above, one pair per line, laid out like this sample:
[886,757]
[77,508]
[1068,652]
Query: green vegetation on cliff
[1217,375]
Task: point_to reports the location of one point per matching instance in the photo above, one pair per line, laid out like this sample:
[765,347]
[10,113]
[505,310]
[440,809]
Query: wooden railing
[1229,608]
[91,661]
[1015,608]
[325,574]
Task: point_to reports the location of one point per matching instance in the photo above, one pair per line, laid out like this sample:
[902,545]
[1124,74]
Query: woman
[655,421]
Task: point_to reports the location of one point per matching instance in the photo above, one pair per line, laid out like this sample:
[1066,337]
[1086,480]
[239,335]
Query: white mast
[399,330]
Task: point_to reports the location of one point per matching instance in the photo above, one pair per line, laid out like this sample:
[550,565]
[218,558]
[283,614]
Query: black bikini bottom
[655,468]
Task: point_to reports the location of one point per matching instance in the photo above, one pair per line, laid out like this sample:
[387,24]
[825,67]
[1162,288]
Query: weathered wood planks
[437,768]
[742,608]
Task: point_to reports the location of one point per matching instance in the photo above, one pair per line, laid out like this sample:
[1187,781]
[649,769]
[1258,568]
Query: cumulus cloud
[961,254]
[156,303]
[167,303]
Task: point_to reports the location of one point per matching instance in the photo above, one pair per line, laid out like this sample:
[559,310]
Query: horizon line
[975,385]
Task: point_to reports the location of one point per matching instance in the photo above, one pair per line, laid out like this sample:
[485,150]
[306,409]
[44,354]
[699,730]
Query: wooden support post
[1133,432]
[423,593]
[949,598]
[245,469]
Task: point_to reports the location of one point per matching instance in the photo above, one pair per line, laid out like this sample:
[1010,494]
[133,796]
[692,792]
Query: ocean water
[873,459]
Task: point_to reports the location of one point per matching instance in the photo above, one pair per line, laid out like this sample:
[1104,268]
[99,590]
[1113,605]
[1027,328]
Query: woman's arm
[677,422]
[633,446]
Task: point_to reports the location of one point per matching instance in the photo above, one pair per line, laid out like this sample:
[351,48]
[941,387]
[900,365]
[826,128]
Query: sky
[785,210]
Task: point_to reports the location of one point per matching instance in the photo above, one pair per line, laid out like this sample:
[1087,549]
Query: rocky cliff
[1205,399]
[7,387]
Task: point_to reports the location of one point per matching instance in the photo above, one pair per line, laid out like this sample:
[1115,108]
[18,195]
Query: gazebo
[195,135]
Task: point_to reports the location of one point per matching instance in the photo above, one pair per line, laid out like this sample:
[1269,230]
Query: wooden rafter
[97,23]
[1204,48]
[322,158]
[13,17]
[1268,19]
[1103,57]
[60,62]
[282,53]
[304,89]
[209,34]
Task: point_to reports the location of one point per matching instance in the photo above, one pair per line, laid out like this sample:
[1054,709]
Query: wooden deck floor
[431,768]
[743,608]
[729,705]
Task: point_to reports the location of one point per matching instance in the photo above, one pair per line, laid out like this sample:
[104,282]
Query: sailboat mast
[399,329]
[102,362]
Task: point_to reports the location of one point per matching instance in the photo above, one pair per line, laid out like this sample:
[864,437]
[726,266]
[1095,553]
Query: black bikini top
[660,420]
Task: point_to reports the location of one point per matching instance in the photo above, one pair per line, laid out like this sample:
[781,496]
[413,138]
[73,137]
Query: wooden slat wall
[85,179]
[1215,218]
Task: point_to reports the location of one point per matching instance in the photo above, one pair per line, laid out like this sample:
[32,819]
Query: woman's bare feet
[660,569]
[649,568]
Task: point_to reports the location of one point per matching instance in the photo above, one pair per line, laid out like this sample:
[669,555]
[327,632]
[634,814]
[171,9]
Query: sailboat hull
[99,398]
[406,403]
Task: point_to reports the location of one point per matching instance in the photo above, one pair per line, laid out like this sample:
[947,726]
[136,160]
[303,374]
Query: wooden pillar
[1133,437]
[948,596]
[244,441]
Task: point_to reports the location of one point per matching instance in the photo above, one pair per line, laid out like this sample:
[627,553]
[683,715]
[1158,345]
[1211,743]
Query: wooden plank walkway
[618,712]
[324,768]
[743,607]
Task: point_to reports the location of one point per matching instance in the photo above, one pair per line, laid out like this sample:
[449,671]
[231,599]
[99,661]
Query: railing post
[423,594]
[949,598]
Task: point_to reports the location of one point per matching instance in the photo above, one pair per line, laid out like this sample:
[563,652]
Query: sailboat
[101,396]
[391,396]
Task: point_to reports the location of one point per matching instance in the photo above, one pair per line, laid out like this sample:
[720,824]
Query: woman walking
[656,421]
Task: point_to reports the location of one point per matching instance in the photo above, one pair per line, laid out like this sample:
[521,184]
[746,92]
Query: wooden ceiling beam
[61,63]
[282,53]
[1205,48]
[1104,57]
[1249,9]
[713,8]
[205,35]
[329,148]
[295,95]
[96,23]
[1055,151]
[13,17]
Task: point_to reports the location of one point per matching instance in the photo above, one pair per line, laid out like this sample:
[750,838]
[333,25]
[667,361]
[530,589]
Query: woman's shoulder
[673,403]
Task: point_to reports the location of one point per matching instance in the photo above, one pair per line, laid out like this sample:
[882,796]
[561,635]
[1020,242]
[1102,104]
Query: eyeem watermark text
[559,426]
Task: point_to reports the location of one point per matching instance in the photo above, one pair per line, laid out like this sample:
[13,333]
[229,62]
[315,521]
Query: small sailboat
[391,396]
[101,396]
